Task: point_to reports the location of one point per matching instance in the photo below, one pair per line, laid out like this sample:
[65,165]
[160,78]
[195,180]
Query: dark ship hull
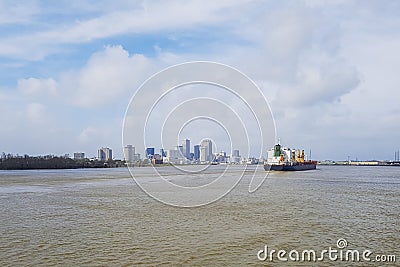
[295,167]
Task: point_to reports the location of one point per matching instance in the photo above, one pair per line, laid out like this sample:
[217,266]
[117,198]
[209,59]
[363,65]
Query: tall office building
[206,151]
[186,148]
[174,156]
[180,149]
[235,157]
[129,153]
[196,151]
[150,152]
[163,153]
[104,154]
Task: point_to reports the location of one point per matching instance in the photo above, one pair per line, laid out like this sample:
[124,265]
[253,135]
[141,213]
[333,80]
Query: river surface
[101,217]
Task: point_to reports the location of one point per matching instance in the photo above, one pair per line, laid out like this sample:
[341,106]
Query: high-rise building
[79,155]
[221,157]
[163,153]
[173,153]
[235,158]
[206,151]
[104,154]
[196,151]
[149,152]
[186,148]
[180,149]
[174,156]
[129,153]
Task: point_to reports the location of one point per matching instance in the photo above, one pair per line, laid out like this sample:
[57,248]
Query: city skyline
[202,152]
[130,155]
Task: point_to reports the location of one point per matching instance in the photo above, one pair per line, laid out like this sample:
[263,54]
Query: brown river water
[100,217]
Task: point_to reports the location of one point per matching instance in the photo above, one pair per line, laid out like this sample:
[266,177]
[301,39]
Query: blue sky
[329,69]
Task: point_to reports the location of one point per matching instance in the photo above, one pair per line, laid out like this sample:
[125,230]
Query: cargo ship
[285,159]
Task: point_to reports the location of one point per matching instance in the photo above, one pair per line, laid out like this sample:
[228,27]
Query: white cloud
[319,3]
[51,105]
[92,137]
[315,85]
[35,86]
[107,76]
[287,34]
[13,12]
[36,113]
[154,16]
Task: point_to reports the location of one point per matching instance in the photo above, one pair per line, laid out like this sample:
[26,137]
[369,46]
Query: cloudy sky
[329,69]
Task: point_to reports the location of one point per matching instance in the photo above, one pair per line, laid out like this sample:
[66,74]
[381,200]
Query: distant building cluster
[103,154]
[183,154]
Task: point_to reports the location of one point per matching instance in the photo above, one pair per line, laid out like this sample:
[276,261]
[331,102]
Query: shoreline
[168,165]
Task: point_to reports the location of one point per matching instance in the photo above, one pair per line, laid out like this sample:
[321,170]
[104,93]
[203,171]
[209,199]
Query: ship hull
[296,167]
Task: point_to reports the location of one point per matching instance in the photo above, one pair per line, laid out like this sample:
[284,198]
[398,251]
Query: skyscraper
[163,153]
[206,151]
[235,157]
[186,148]
[150,152]
[129,153]
[180,149]
[104,154]
[196,149]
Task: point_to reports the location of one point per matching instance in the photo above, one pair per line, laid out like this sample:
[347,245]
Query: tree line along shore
[26,162]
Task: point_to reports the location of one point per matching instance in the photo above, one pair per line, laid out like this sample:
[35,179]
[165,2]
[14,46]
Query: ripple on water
[101,217]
